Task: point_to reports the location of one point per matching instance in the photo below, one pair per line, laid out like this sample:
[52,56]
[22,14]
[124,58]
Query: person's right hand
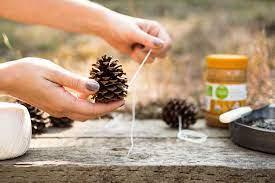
[41,83]
[135,36]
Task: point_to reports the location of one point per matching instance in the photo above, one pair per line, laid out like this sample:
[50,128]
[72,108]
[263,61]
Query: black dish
[246,134]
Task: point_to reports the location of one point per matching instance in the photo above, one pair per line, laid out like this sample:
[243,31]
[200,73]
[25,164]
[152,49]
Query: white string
[133,121]
[180,123]
[139,68]
[190,135]
[134,101]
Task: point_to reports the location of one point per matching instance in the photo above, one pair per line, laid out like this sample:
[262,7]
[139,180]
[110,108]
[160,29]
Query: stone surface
[87,153]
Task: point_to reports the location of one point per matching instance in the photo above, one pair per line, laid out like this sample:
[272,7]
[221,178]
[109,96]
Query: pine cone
[61,122]
[179,107]
[111,78]
[39,119]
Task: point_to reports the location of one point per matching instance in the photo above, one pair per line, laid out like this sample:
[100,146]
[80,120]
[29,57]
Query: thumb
[148,40]
[78,83]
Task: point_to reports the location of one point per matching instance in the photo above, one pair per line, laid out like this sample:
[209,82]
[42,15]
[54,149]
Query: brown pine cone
[179,107]
[39,119]
[61,122]
[111,78]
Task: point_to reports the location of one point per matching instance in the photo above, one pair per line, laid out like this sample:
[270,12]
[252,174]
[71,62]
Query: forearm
[69,15]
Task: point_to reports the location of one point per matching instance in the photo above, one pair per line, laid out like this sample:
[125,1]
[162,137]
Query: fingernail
[92,85]
[158,43]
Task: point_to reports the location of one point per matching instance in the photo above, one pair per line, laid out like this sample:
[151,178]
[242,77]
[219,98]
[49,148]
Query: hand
[41,83]
[135,36]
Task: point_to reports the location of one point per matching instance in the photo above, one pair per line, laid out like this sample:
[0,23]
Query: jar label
[224,97]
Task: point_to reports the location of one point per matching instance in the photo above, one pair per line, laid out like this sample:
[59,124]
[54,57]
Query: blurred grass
[198,28]
[240,11]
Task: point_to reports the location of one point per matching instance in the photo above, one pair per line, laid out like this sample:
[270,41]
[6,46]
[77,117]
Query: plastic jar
[226,87]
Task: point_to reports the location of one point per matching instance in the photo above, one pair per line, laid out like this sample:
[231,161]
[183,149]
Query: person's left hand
[43,84]
[135,36]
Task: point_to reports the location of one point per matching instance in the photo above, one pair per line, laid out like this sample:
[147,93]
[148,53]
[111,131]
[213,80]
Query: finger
[160,32]
[146,28]
[71,104]
[163,35]
[147,40]
[99,109]
[55,114]
[83,118]
[78,117]
[157,30]
[73,116]
[84,107]
[140,52]
[83,95]
[159,54]
[139,55]
[76,82]
[154,30]
[156,53]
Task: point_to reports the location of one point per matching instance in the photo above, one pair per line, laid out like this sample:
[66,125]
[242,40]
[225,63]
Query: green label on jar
[221,92]
[209,90]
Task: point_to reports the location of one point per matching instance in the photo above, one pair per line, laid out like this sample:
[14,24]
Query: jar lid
[227,61]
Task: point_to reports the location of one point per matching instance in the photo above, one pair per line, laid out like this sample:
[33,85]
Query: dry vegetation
[198,28]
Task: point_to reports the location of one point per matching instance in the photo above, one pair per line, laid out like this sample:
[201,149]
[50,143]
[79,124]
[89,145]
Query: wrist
[98,19]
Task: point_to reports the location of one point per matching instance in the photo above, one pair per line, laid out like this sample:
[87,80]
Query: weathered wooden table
[96,152]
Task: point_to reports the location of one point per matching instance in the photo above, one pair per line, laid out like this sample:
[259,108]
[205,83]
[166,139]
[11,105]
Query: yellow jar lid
[227,61]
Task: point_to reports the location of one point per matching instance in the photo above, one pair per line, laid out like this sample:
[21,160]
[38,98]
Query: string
[190,135]
[133,122]
[180,123]
[134,101]
[139,68]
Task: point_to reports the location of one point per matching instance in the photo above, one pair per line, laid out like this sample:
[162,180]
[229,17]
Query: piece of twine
[134,101]
[139,68]
[133,122]
[190,135]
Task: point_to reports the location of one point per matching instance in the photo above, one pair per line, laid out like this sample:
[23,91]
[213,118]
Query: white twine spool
[15,130]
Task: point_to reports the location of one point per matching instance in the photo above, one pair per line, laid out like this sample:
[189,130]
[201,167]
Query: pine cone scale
[111,78]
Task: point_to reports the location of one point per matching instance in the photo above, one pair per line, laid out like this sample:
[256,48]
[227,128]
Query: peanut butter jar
[225,86]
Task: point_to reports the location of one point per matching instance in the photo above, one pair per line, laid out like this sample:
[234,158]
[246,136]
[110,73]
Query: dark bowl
[251,137]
